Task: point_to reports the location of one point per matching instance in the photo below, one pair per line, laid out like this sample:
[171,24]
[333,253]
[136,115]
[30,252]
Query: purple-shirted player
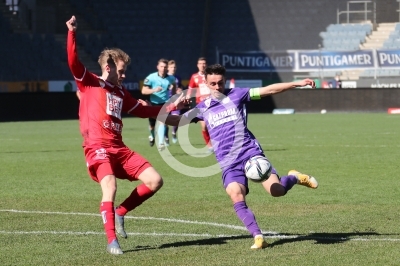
[226,119]
[179,89]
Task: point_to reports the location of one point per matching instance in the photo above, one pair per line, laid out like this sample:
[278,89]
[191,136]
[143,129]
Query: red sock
[108,215]
[206,137]
[140,194]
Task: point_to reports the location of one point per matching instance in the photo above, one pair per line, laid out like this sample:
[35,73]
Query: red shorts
[121,162]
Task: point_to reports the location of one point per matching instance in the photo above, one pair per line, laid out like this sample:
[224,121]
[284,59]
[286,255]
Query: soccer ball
[257,169]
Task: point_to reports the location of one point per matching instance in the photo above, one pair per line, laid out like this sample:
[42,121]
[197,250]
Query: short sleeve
[129,102]
[148,81]
[88,80]
[242,93]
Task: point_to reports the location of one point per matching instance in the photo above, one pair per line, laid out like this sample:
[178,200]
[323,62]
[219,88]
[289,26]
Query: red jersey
[101,104]
[197,83]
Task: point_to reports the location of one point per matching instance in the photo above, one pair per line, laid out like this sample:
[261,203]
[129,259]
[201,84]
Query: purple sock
[247,217]
[288,182]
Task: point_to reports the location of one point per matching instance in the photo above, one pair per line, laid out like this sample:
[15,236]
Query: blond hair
[110,56]
[171,62]
[163,60]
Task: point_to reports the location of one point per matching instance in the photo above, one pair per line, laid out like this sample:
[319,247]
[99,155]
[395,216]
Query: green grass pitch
[49,207]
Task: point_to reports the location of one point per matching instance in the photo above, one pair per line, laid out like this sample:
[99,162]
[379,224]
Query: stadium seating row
[393,42]
[149,30]
[371,73]
[345,36]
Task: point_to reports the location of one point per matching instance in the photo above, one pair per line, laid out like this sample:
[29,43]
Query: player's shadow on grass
[198,242]
[320,238]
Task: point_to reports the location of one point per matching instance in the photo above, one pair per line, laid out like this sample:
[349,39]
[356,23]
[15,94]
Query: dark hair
[215,69]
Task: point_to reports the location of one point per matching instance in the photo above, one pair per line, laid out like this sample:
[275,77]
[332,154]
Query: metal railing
[398,10]
[365,11]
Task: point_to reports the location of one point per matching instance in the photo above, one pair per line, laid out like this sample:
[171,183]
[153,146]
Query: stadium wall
[64,105]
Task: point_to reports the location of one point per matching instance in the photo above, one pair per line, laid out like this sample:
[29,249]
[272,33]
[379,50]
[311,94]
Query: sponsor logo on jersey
[112,125]
[223,117]
[114,105]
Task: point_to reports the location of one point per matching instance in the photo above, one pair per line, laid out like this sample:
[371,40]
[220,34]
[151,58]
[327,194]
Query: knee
[236,192]
[237,197]
[109,188]
[109,184]
[154,183]
[157,184]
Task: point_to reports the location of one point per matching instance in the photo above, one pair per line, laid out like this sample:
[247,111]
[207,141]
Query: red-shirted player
[102,100]
[196,84]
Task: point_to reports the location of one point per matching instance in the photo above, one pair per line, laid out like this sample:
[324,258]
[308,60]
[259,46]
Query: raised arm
[194,115]
[77,68]
[280,87]
[142,108]
[177,120]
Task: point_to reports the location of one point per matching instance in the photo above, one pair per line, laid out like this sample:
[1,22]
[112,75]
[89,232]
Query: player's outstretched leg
[259,242]
[304,180]
[119,225]
[114,248]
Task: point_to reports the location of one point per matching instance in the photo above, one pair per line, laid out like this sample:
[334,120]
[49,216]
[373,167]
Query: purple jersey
[226,121]
[178,82]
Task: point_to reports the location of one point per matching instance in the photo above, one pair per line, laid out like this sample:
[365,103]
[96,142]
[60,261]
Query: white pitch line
[235,227]
[300,237]
[267,234]
[102,233]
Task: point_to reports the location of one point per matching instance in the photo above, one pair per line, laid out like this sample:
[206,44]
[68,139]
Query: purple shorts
[237,175]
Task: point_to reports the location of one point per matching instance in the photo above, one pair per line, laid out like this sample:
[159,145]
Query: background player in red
[102,100]
[197,85]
